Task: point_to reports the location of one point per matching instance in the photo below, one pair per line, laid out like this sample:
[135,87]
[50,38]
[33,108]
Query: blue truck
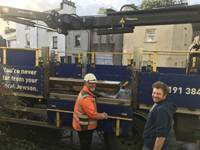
[46,91]
[127,106]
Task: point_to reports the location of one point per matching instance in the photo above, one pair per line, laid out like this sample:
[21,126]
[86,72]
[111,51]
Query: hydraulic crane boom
[115,22]
[25,17]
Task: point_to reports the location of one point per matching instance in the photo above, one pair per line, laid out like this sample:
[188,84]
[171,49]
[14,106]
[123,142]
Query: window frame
[55,42]
[77,40]
[150,35]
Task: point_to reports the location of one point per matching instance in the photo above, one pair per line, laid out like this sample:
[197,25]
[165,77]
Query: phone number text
[182,90]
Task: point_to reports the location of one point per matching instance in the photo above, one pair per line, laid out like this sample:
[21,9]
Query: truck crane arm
[114,22]
[26,17]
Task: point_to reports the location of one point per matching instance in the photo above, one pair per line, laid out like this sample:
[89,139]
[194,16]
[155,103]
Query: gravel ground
[187,146]
[31,139]
[38,139]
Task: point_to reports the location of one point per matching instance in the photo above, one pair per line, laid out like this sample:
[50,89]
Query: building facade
[168,38]
[33,37]
[77,43]
[108,48]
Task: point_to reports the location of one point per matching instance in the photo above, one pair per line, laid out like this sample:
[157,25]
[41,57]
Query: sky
[84,7]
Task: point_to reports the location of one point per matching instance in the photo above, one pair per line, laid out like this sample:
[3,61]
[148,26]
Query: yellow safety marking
[122,22]
[57,119]
[194,60]
[4,56]
[92,58]
[36,57]
[129,59]
[103,53]
[79,58]
[71,112]
[84,56]
[58,110]
[117,127]
[155,61]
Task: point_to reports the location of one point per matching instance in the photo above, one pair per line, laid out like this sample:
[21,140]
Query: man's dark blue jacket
[159,124]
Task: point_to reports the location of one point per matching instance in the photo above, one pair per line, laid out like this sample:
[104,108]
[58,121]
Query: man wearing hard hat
[85,112]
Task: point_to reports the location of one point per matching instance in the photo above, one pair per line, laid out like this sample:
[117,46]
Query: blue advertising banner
[20,57]
[102,72]
[23,80]
[184,90]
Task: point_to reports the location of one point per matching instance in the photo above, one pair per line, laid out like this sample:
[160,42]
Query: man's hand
[105,115]
[102,116]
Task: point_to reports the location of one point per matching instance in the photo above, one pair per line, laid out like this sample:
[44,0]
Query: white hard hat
[90,77]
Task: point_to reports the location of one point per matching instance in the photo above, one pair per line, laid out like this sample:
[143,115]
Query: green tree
[149,4]
[129,7]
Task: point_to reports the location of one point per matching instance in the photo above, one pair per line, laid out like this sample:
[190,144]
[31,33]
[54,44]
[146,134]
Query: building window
[77,40]
[27,36]
[150,35]
[104,60]
[55,42]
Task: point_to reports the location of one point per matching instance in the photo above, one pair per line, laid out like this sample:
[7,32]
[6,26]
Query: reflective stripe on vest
[84,120]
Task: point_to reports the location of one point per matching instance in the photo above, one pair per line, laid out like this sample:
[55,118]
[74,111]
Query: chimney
[67,2]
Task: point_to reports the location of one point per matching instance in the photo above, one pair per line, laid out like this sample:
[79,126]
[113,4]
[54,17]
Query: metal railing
[106,58]
[169,58]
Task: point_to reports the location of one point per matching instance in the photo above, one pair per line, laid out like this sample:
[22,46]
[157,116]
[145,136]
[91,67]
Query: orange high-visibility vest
[85,111]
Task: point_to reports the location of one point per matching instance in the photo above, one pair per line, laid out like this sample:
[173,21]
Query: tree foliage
[149,4]
[129,7]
